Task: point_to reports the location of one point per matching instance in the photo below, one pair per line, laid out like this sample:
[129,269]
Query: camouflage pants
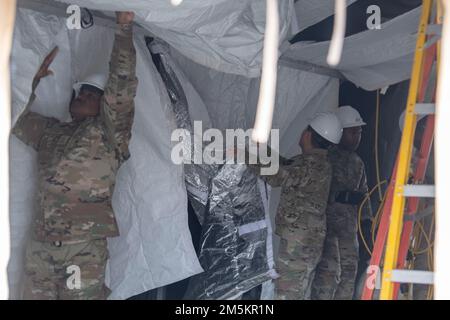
[299,254]
[336,272]
[66,272]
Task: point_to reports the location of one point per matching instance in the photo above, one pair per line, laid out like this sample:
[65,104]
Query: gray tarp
[371,59]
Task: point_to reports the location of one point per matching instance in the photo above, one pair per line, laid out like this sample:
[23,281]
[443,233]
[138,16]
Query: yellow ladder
[402,189]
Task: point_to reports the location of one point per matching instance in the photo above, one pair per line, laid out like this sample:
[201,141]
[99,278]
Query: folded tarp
[235,247]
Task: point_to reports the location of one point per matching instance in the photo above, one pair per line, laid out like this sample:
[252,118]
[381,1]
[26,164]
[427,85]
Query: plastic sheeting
[197,176]
[155,247]
[233,248]
[372,59]
[221,34]
[236,251]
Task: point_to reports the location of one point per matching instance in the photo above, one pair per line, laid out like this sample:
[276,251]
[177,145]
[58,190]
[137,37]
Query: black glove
[350,197]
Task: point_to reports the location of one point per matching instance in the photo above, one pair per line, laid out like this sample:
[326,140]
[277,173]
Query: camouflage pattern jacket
[305,181]
[349,174]
[78,161]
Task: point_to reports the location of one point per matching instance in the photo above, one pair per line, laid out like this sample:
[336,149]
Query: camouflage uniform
[77,165]
[335,275]
[49,273]
[300,221]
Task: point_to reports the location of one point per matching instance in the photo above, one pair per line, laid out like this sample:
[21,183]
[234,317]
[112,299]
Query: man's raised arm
[117,109]
[31,126]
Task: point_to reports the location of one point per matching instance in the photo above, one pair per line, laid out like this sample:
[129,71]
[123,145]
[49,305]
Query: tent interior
[212,238]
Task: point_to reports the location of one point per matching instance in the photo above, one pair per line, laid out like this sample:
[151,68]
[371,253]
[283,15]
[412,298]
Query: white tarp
[225,35]
[231,100]
[310,12]
[371,59]
[155,247]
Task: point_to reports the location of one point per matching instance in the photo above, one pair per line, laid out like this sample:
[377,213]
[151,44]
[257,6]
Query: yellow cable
[430,262]
[427,239]
[377,218]
[381,197]
[416,239]
[377,163]
[360,214]
[419,232]
[430,236]
[430,251]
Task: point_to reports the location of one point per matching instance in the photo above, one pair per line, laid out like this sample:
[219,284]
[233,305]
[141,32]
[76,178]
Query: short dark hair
[318,141]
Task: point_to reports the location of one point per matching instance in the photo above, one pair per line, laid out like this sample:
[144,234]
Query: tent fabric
[34,36]
[310,12]
[232,99]
[150,202]
[220,34]
[371,59]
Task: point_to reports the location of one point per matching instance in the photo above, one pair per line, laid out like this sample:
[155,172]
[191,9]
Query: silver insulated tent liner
[215,52]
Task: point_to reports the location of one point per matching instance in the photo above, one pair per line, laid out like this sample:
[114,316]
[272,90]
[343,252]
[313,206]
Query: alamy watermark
[373,280]
[73,282]
[73,21]
[374,20]
[236,147]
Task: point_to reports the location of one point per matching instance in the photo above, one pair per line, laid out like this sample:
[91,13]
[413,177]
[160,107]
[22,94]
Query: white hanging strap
[267,89]
[337,40]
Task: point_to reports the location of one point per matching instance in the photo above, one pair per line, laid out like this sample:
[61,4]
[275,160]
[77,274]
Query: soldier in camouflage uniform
[335,275]
[300,220]
[77,164]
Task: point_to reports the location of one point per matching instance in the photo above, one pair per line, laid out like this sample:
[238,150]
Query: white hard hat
[97,80]
[349,117]
[328,126]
